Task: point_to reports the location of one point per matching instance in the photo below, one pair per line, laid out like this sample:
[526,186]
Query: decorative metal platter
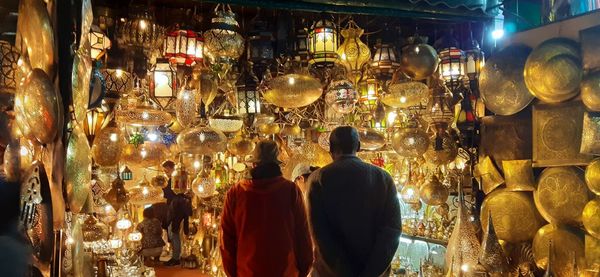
[561,195]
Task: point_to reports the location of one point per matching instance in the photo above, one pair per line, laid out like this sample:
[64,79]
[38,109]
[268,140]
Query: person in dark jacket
[354,213]
[180,209]
[264,229]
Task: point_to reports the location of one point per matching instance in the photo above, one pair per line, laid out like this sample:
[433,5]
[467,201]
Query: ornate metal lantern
[452,67]
[183,47]
[9,56]
[95,120]
[99,42]
[353,53]
[140,30]
[260,44]
[323,43]
[385,60]
[341,96]
[163,84]
[474,60]
[369,93]
[126,174]
[300,44]
[223,41]
[248,95]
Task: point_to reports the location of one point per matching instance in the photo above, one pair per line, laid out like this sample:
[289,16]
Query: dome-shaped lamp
[223,41]
[143,193]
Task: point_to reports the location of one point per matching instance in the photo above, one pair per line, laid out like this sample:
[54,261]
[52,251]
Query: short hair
[148,212]
[344,139]
[168,164]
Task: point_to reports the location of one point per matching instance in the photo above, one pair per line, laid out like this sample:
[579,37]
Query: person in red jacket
[264,228]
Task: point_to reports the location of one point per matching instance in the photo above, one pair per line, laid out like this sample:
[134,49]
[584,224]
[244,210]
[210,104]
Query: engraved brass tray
[561,195]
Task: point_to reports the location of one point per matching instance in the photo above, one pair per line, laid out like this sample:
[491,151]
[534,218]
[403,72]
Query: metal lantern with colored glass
[248,95]
[223,41]
[95,120]
[385,60]
[369,89]
[341,96]
[163,84]
[474,60]
[452,67]
[323,43]
[99,42]
[183,47]
[353,53]
[140,30]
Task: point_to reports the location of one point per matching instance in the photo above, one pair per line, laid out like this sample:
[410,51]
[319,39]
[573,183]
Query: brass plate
[590,136]
[490,177]
[80,80]
[591,217]
[566,241]
[78,170]
[553,70]
[561,195]
[518,175]
[592,251]
[501,81]
[506,137]
[514,214]
[592,176]
[35,28]
[557,133]
[590,91]
[590,39]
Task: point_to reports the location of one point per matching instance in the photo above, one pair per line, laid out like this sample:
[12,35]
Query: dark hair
[168,164]
[148,212]
[10,202]
[344,139]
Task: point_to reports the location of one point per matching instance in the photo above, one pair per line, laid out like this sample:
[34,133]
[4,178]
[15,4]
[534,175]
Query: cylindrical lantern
[323,43]
[248,96]
[385,60]
[474,60]
[93,123]
[183,47]
[300,43]
[163,84]
[260,44]
[99,42]
[369,93]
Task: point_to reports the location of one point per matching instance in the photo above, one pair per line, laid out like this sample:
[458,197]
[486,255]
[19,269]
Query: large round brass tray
[561,195]
[566,242]
[592,176]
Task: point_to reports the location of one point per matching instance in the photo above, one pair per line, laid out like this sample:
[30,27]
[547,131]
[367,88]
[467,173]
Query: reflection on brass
[557,133]
[293,90]
[463,244]
[492,256]
[590,91]
[592,251]
[514,214]
[80,80]
[561,195]
[590,39]
[35,28]
[566,242]
[518,175]
[592,176]
[490,177]
[78,169]
[553,70]
[590,136]
[591,217]
[501,81]
[506,137]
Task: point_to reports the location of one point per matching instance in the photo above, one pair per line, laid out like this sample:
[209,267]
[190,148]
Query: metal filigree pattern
[8,67]
[222,40]
[590,137]
[561,195]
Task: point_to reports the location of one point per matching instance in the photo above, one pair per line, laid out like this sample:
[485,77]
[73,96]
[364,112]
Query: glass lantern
[223,41]
[353,53]
[452,66]
[385,60]
[300,43]
[163,84]
[93,123]
[99,42]
[183,47]
[126,174]
[369,93]
[260,44]
[474,60]
[248,95]
[323,43]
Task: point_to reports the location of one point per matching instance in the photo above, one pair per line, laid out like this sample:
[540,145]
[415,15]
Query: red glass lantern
[183,47]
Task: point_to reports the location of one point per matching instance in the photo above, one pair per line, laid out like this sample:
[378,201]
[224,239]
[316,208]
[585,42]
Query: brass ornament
[38,107]
[145,155]
[566,241]
[433,192]
[269,129]
[108,146]
[410,142]
[492,255]
[522,262]
[293,90]
[403,92]
[117,195]
[518,175]
[226,123]
[590,91]
[9,57]
[78,166]
[353,54]
[370,139]
[506,137]
[553,70]
[240,146]
[201,140]
[80,80]
[186,107]
[592,176]
[442,156]
[591,217]
[309,153]
[463,244]
[143,193]
[35,28]
[207,85]
[592,251]
[515,216]
[501,81]
[490,177]
[590,136]
[557,131]
[561,195]
[419,60]
[94,230]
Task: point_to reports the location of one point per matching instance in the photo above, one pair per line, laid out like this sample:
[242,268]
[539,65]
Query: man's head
[344,140]
[266,152]
[168,167]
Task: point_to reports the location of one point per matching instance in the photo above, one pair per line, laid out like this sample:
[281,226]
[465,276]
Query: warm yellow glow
[152,136]
[115,243]
[70,240]
[119,73]
[145,191]
[391,118]
[161,79]
[403,99]
[291,81]
[143,153]
[145,115]
[134,236]
[123,224]
[113,137]
[197,165]
[464,267]
[23,151]
[143,24]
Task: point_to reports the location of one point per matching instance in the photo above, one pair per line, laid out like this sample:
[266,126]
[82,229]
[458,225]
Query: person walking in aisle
[264,229]
[354,213]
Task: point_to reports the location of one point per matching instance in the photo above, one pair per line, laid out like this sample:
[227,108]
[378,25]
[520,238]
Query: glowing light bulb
[107,208]
[145,191]
[202,137]
[343,56]
[200,188]
[186,96]
[143,24]
[118,73]
[291,81]
[113,137]
[497,34]
[152,136]
[143,153]
[410,192]
[23,151]
[402,99]
[196,164]
[161,79]
[391,118]
[70,240]
[464,267]
[145,115]
[411,141]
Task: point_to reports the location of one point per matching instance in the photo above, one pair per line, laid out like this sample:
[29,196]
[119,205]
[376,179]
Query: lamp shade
[385,60]
[223,41]
[403,92]
[143,115]
[183,47]
[341,96]
[163,84]
[293,90]
[9,56]
[202,140]
[145,155]
[107,146]
[143,193]
[323,43]
[117,195]
[99,42]
[140,30]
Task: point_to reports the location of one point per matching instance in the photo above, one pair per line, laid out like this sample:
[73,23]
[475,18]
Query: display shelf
[428,240]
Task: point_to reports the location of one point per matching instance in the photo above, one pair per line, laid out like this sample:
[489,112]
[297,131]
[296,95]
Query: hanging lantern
[186,108]
[452,67]
[93,123]
[163,84]
[240,146]
[369,93]
[204,185]
[294,89]
[146,154]
[433,192]
[226,123]
[107,146]
[126,174]
[143,193]
[410,193]
[183,47]
[248,96]
[353,53]
[143,115]
[385,60]
[300,44]
[140,30]
[9,57]
[411,141]
[404,92]
[442,148]
[202,140]
[260,44]
[323,43]
[474,60]
[371,139]
[419,60]
[223,41]
[118,83]
[117,195]
[341,96]
[99,42]
[440,110]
